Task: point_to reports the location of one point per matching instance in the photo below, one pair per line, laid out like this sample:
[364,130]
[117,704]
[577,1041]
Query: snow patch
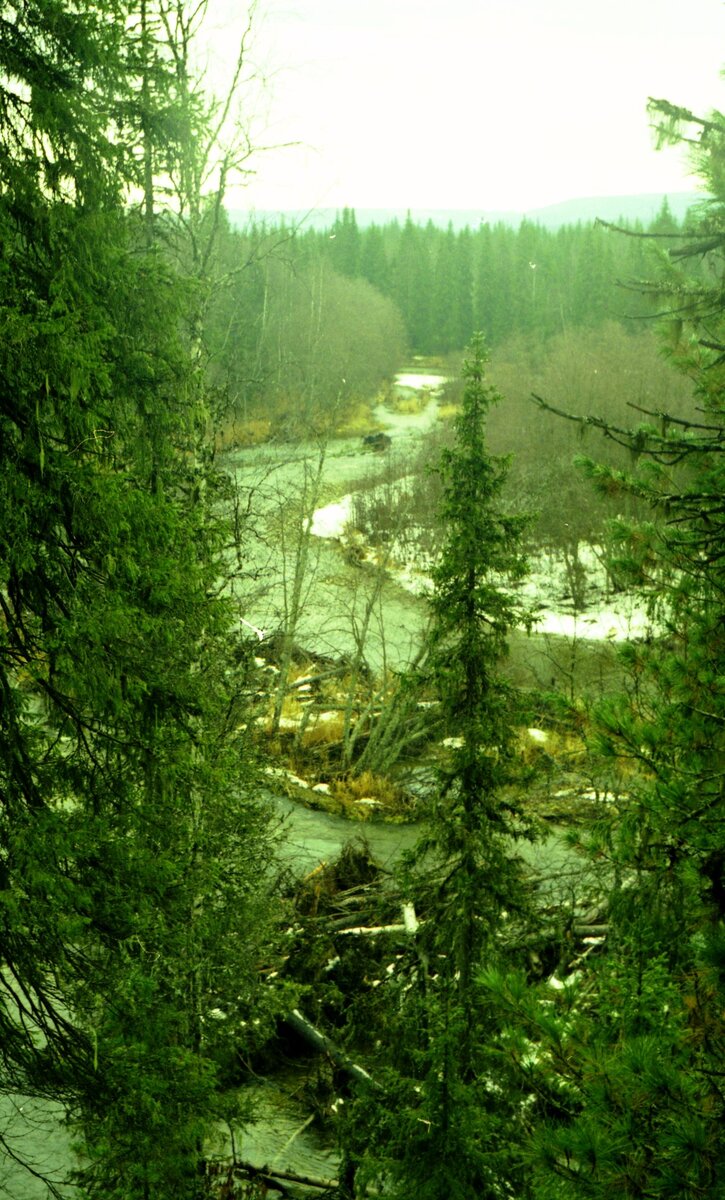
[411,379]
[330,521]
[283,773]
[598,616]
[538,735]
[611,624]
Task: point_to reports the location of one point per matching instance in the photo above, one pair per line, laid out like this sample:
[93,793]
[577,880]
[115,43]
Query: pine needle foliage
[133,852]
[644,1056]
[452,1118]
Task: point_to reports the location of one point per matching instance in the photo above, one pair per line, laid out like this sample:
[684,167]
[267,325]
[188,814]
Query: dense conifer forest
[482,1028]
[429,289]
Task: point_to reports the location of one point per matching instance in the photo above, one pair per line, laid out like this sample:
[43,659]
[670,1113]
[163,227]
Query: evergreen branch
[684,116]
[669,419]
[664,450]
[638,233]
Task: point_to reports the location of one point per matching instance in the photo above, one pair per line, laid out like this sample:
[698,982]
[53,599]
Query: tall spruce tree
[132,853]
[637,1057]
[453,1117]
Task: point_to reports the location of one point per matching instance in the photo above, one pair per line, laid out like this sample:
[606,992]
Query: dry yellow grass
[367,786]
[301,670]
[326,730]
[541,745]
[409,405]
[356,421]
[447,412]
[243,433]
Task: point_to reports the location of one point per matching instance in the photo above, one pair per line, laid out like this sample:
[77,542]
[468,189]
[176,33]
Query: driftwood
[307,1180]
[320,677]
[410,925]
[295,1020]
[265,1175]
[371,930]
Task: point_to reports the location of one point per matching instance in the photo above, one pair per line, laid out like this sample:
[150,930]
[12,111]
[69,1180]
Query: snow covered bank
[600,617]
[332,520]
[622,622]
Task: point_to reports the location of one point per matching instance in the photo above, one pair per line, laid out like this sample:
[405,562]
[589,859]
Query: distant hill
[629,209]
[642,208]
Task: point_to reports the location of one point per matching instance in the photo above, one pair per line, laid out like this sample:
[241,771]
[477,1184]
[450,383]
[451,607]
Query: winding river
[276,483]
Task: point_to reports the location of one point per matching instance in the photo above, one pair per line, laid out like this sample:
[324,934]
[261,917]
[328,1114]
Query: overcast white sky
[492,104]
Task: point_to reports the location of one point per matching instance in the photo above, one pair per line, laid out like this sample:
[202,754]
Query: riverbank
[362,624]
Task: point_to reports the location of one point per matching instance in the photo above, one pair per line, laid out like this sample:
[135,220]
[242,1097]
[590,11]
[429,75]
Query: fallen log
[267,1175]
[371,930]
[318,678]
[355,921]
[307,1180]
[320,1041]
[276,1179]
[305,1125]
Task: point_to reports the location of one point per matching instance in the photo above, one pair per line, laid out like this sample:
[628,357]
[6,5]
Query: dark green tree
[444,299]
[411,276]
[639,1100]
[345,248]
[472,615]
[454,1117]
[374,264]
[131,849]
[464,276]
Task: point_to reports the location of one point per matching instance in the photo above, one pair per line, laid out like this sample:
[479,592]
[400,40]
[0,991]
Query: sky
[450,104]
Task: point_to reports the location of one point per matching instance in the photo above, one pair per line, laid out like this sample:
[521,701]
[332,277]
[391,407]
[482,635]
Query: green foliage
[645,1120]
[643,1053]
[59,65]
[133,853]
[472,614]
[286,292]
[433,1130]
[507,281]
[294,339]
[453,1112]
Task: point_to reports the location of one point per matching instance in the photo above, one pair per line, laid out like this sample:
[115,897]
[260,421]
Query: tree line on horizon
[364,299]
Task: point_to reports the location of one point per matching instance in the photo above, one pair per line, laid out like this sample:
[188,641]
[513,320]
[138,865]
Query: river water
[280,483]
[277,482]
[277,485]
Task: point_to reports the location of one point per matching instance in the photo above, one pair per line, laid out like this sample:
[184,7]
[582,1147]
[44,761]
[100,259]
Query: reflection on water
[281,1134]
[312,837]
[33,1133]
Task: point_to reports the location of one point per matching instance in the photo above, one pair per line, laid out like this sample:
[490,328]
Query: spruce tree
[454,1117]
[636,1060]
[132,852]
